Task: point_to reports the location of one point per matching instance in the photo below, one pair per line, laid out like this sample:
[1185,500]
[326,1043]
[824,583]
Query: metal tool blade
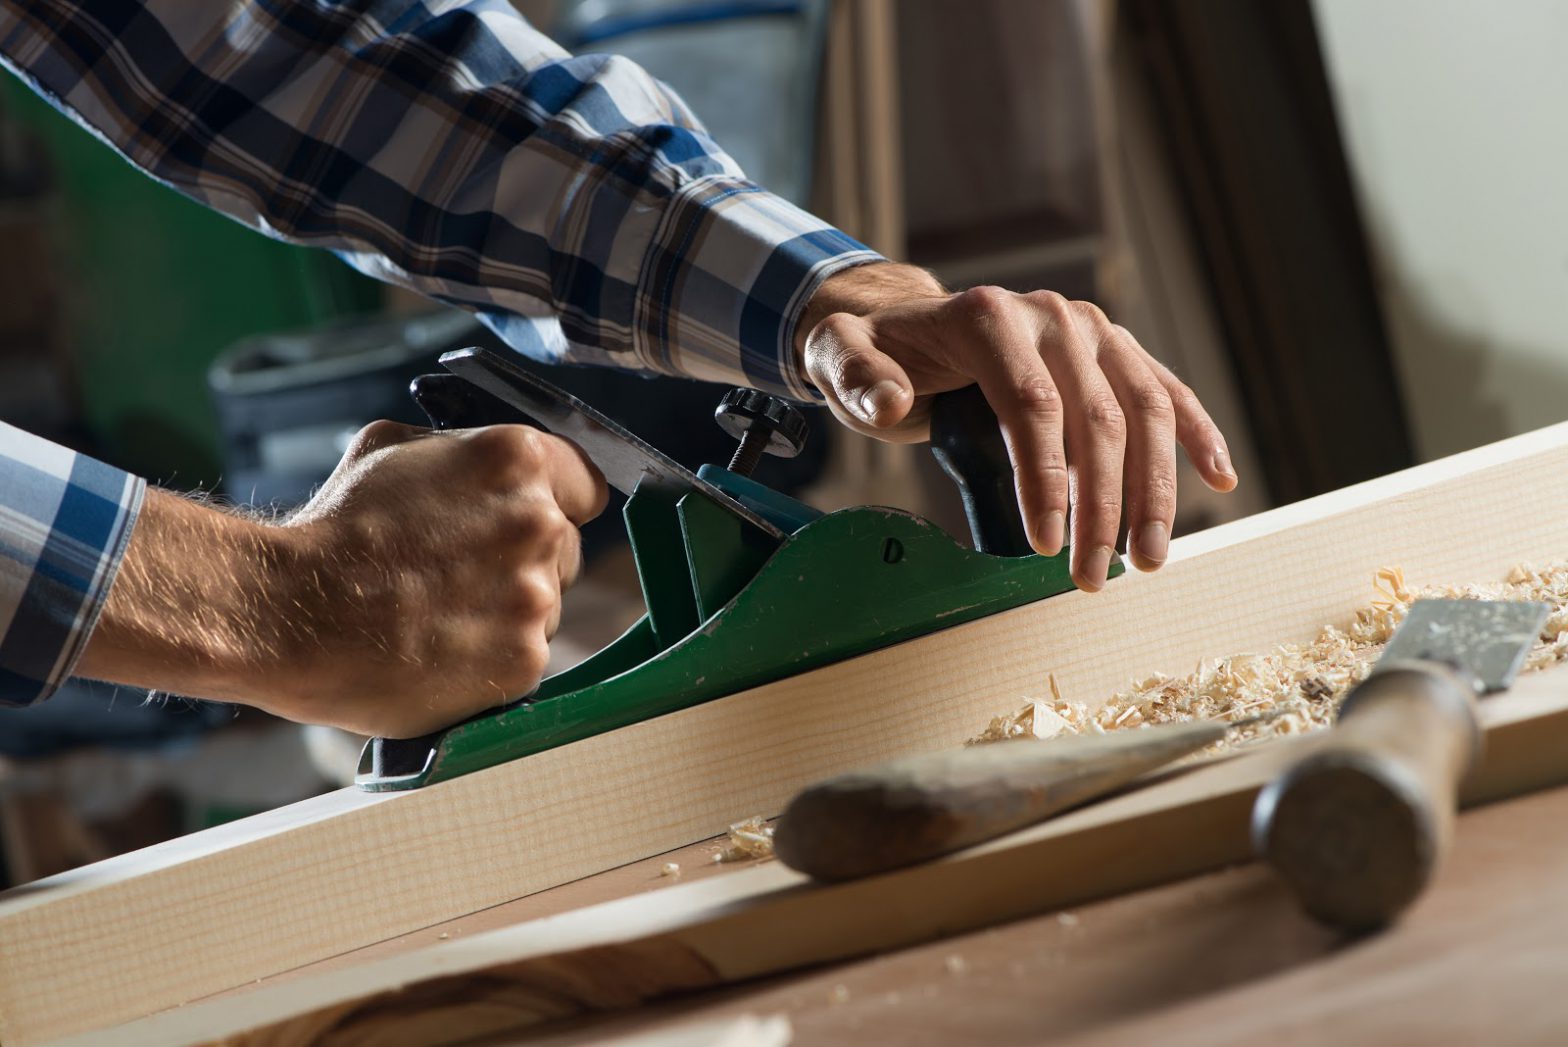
[1488,639]
[624,458]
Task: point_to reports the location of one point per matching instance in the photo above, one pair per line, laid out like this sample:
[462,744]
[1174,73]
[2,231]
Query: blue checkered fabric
[574,203]
[64,523]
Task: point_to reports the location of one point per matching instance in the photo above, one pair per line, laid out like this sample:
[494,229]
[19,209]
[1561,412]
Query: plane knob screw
[763,424]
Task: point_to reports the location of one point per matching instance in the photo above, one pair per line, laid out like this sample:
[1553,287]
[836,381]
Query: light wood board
[134,935]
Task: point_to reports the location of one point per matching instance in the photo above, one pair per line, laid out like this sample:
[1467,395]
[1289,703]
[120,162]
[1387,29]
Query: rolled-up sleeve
[573,202]
[65,520]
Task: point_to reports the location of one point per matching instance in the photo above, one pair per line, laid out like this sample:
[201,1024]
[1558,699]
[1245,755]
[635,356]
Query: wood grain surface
[1225,959]
[137,934]
[769,919]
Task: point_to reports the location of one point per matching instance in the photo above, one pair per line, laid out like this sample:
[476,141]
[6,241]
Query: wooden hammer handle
[1358,826]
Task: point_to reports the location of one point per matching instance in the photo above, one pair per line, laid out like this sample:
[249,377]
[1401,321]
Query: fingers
[576,483]
[1196,432]
[1062,378]
[1029,407]
[1151,456]
[519,460]
[865,388]
[1096,438]
[1065,429]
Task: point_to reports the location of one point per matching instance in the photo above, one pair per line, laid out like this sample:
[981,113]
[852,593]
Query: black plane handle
[451,402]
[966,440]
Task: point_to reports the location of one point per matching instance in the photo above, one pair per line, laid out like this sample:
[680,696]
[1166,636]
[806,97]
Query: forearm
[460,153]
[205,603]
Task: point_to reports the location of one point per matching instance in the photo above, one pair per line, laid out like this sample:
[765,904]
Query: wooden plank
[177,922]
[771,919]
[1219,959]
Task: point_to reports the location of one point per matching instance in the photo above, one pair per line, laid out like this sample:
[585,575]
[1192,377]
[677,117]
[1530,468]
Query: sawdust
[1298,686]
[748,839]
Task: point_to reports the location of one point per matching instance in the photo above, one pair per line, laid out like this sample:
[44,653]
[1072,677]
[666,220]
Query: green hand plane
[742,585]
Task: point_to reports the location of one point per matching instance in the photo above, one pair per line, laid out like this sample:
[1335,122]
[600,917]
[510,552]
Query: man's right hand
[419,586]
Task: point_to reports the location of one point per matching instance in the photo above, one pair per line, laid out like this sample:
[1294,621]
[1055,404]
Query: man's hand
[1086,412]
[420,585]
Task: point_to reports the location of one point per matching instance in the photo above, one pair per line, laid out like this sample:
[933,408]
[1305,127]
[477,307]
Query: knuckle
[984,303]
[546,521]
[1105,510]
[1150,398]
[1181,395]
[536,521]
[1123,335]
[569,560]
[507,444]
[1052,304]
[1053,465]
[533,595]
[378,433]
[830,339]
[510,453]
[846,370]
[1104,415]
[1159,492]
[1093,314]
[837,326]
[831,356]
[1038,396]
[1103,516]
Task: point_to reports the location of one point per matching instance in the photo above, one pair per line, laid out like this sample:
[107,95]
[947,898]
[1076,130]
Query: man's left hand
[1087,413]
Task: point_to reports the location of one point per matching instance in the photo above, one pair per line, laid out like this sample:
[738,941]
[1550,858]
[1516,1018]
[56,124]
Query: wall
[1456,120]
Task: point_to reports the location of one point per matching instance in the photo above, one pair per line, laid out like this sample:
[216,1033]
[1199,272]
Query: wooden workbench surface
[1218,959]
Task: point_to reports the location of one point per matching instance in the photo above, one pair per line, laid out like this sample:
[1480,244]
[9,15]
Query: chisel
[921,807]
[1358,825]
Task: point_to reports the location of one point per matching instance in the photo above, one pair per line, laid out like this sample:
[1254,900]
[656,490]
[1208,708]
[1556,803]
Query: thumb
[865,387]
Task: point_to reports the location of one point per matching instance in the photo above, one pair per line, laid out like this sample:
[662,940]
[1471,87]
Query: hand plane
[742,584]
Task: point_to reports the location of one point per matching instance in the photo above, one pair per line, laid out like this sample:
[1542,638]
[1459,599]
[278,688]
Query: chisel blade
[1487,639]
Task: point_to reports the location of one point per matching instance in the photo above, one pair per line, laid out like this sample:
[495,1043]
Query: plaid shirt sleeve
[64,523]
[574,202]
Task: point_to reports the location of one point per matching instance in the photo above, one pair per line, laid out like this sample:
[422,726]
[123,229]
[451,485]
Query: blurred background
[1339,220]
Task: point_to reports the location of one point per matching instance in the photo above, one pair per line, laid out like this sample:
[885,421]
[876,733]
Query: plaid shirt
[573,202]
[64,523]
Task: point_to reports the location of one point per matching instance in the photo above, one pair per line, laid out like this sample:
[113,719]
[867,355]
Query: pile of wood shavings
[1299,685]
[752,838]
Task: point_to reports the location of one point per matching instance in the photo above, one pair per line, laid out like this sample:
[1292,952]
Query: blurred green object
[156,286]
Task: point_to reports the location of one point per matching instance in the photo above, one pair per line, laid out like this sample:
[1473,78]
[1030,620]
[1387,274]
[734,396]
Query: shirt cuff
[65,522]
[731,265]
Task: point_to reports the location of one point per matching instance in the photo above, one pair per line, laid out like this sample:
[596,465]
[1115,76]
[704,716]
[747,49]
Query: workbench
[1222,958]
[491,894]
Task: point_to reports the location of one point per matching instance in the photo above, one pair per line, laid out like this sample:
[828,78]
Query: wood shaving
[752,838]
[1299,686]
[1036,720]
